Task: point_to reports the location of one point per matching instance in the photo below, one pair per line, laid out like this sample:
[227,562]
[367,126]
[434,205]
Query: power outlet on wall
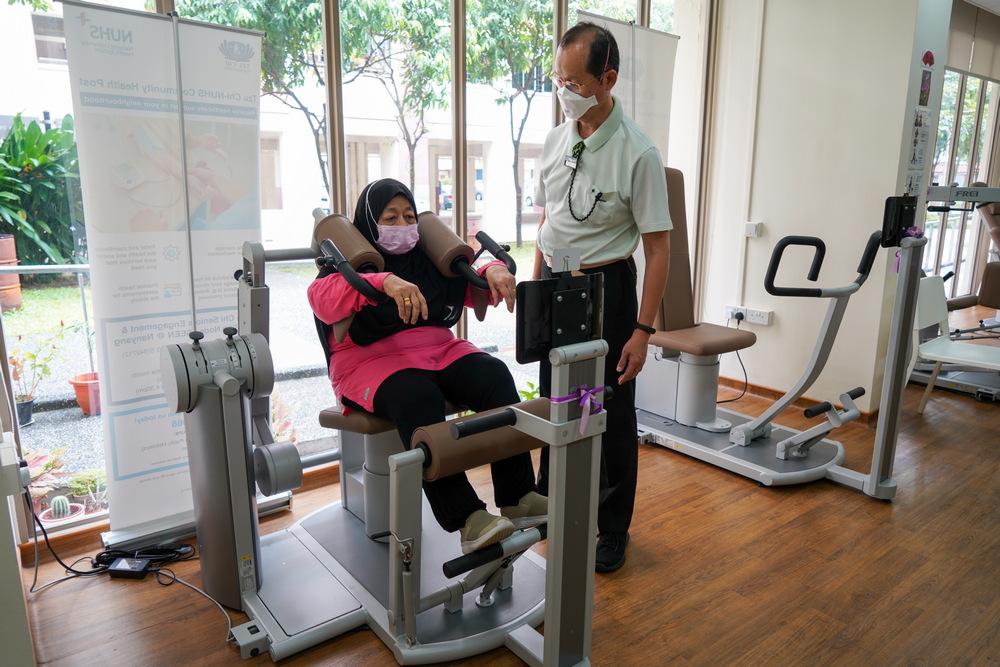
[732,310]
[755,316]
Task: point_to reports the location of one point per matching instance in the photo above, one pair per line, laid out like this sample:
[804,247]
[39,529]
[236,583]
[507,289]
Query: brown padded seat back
[676,328]
[990,213]
[989,290]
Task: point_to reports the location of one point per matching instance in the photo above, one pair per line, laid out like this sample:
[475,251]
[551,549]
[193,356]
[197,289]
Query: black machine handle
[819,253]
[461,266]
[469,562]
[483,423]
[825,406]
[333,257]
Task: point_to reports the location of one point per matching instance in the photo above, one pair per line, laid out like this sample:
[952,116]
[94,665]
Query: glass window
[966,127]
[270,173]
[509,111]
[661,15]
[396,74]
[620,10]
[50,39]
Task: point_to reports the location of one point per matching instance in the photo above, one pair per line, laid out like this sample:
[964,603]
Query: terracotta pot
[75,509]
[10,283]
[88,392]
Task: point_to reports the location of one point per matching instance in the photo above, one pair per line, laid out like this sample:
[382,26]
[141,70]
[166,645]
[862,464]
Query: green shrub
[88,482]
[40,202]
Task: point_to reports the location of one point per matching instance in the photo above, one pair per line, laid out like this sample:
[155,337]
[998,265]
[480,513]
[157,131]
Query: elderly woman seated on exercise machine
[401,361]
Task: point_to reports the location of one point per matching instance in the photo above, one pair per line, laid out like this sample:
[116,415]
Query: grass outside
[43,308]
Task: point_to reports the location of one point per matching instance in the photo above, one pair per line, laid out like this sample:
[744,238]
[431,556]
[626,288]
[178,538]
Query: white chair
[932,309]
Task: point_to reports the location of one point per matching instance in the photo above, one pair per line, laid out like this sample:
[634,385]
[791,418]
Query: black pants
[620,443]
[412,398]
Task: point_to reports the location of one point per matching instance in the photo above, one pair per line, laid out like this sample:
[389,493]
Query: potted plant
[31,362]
[85,385]
[88,392]
[90,488]
[60,509]
[45,471]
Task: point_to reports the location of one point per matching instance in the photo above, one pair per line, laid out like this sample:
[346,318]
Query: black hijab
[445,296]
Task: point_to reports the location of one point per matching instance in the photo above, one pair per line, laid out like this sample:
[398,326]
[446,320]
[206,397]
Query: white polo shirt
[620,162]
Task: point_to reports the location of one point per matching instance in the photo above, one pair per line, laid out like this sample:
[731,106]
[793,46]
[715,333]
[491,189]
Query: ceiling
[989,5]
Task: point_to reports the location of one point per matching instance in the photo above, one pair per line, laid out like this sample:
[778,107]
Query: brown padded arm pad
[441,244]
[449,456]
[704,339]
[349,241]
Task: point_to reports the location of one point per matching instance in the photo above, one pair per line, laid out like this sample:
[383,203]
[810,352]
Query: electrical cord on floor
[166,572]
[158,556]
[746,380]
[71,572]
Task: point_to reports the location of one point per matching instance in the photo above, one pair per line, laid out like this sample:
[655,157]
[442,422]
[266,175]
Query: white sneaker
[531,510]
[483,529]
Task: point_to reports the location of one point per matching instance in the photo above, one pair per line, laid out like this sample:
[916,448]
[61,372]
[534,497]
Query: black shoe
[610,551]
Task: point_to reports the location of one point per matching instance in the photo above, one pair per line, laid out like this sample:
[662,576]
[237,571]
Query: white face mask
[573,104]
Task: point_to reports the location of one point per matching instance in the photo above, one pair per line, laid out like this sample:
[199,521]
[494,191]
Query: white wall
[811,104]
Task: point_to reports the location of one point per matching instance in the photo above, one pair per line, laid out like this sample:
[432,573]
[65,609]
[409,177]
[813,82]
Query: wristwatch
[643,327]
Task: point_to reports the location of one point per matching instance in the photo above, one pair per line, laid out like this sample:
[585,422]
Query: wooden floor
[720,571]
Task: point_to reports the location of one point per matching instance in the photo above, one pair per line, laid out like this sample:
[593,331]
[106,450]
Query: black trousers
[620,443]
[412,398]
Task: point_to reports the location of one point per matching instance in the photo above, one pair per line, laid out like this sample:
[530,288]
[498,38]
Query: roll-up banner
[167,120]
[646,74]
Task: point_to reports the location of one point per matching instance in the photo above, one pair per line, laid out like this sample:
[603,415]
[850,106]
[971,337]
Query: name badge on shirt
[570,162]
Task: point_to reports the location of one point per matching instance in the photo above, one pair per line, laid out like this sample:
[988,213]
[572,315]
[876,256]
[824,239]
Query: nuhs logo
[119,35]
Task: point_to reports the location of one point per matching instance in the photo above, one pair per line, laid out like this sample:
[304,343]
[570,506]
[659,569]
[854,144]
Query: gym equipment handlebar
[469,562]
[826,406]
[333,257]
[483,423]
[819,253]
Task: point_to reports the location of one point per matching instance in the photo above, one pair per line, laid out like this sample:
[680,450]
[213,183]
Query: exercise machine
[983,385]
[757,448]
[327,575]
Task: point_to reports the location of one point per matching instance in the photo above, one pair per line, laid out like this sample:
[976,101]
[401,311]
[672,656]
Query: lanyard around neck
[577,154]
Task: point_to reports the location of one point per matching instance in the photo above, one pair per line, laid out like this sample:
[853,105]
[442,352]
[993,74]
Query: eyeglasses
[577,87]
[572,85]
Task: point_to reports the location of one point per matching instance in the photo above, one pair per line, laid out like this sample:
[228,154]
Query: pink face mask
[397,239]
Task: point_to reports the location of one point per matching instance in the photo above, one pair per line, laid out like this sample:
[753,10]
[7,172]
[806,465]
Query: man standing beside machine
[602,186]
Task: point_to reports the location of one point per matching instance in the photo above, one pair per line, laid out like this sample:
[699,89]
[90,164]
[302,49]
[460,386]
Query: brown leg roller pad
[449,456]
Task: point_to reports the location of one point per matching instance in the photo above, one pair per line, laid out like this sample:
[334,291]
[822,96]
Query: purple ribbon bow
[588,401]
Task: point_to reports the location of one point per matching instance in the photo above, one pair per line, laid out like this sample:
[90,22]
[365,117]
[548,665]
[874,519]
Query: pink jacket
[357,372]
